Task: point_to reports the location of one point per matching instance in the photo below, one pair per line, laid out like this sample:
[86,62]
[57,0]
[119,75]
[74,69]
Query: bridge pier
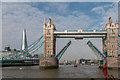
[110,43]
[109,35]
[101,63]
[48,63]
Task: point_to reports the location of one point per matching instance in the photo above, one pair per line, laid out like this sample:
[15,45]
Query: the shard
[24,40]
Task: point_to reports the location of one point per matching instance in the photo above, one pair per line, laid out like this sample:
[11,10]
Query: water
[64,71]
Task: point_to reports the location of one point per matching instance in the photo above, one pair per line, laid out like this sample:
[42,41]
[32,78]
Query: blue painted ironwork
[105,53]
[118,44]
[98,52]
[12,56]
[119,35]
[59,55]
[25,51]
[21,59]
[34,49]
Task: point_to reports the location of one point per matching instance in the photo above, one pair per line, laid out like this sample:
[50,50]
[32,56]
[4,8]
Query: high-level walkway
[80,34]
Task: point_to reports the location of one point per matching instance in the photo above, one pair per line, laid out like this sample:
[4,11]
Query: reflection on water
[64,71]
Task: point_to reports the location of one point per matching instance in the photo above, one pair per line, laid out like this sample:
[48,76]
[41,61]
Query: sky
[17,16]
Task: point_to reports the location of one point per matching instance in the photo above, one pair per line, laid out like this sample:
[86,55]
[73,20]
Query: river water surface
[64,71]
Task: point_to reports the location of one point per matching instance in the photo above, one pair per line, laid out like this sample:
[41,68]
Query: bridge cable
[34,43]
[32,51]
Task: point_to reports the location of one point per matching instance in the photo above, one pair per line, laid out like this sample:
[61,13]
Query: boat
[75,65]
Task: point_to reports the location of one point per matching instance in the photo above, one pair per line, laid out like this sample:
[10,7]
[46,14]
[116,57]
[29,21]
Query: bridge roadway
[80,34]
[20,62]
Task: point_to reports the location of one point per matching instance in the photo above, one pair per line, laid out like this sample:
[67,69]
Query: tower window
[112,46]
[112,52]
[112,31]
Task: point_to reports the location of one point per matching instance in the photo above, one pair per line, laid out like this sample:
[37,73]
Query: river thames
[64,71]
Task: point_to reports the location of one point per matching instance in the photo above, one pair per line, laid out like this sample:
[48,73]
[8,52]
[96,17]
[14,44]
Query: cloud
[60,8]
[17,16]
[105,13]
[99,10]
[59,1]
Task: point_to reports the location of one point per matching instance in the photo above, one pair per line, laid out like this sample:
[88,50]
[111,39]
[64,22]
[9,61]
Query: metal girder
[99,55]
[59,55]
[12,56]
[79,36]
[119,35]
[32,51]
[35,49]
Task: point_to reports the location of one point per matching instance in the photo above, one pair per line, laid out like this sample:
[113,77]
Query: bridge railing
[72,30]
[93,30]
[81,31]
[59,55]
[23,52]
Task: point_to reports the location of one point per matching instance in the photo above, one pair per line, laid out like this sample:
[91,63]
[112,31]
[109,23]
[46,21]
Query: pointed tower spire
[44,21]
[49,22]
[109,20]
[24,40]
[52,22]
[116,21]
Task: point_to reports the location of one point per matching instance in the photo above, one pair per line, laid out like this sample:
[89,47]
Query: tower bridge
[50,59]
[109,35]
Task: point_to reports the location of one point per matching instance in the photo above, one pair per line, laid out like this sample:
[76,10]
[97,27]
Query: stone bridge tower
[48,60]
[110,43]
[48,38]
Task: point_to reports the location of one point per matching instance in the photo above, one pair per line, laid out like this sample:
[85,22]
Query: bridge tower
[110,43]
[49,40]
[49,60]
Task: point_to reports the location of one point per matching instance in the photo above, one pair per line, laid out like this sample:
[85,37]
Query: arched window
[48,52]
[112,31]
[112,46]
[112,52]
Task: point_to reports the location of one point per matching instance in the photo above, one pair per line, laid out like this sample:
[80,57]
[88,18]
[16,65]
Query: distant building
[37,55]
[12,49]
[83,60]
[7,48]
[77,61]
[119,55]
[13,52]
[24,40]
[7,53]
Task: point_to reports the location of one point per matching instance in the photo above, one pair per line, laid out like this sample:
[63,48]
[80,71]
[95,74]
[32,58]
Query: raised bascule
[109,35]
[50,59]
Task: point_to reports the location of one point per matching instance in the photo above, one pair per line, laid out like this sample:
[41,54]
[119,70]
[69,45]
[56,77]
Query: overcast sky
[17,16]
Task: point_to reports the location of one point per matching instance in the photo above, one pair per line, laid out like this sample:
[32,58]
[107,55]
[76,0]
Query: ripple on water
[64,71]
